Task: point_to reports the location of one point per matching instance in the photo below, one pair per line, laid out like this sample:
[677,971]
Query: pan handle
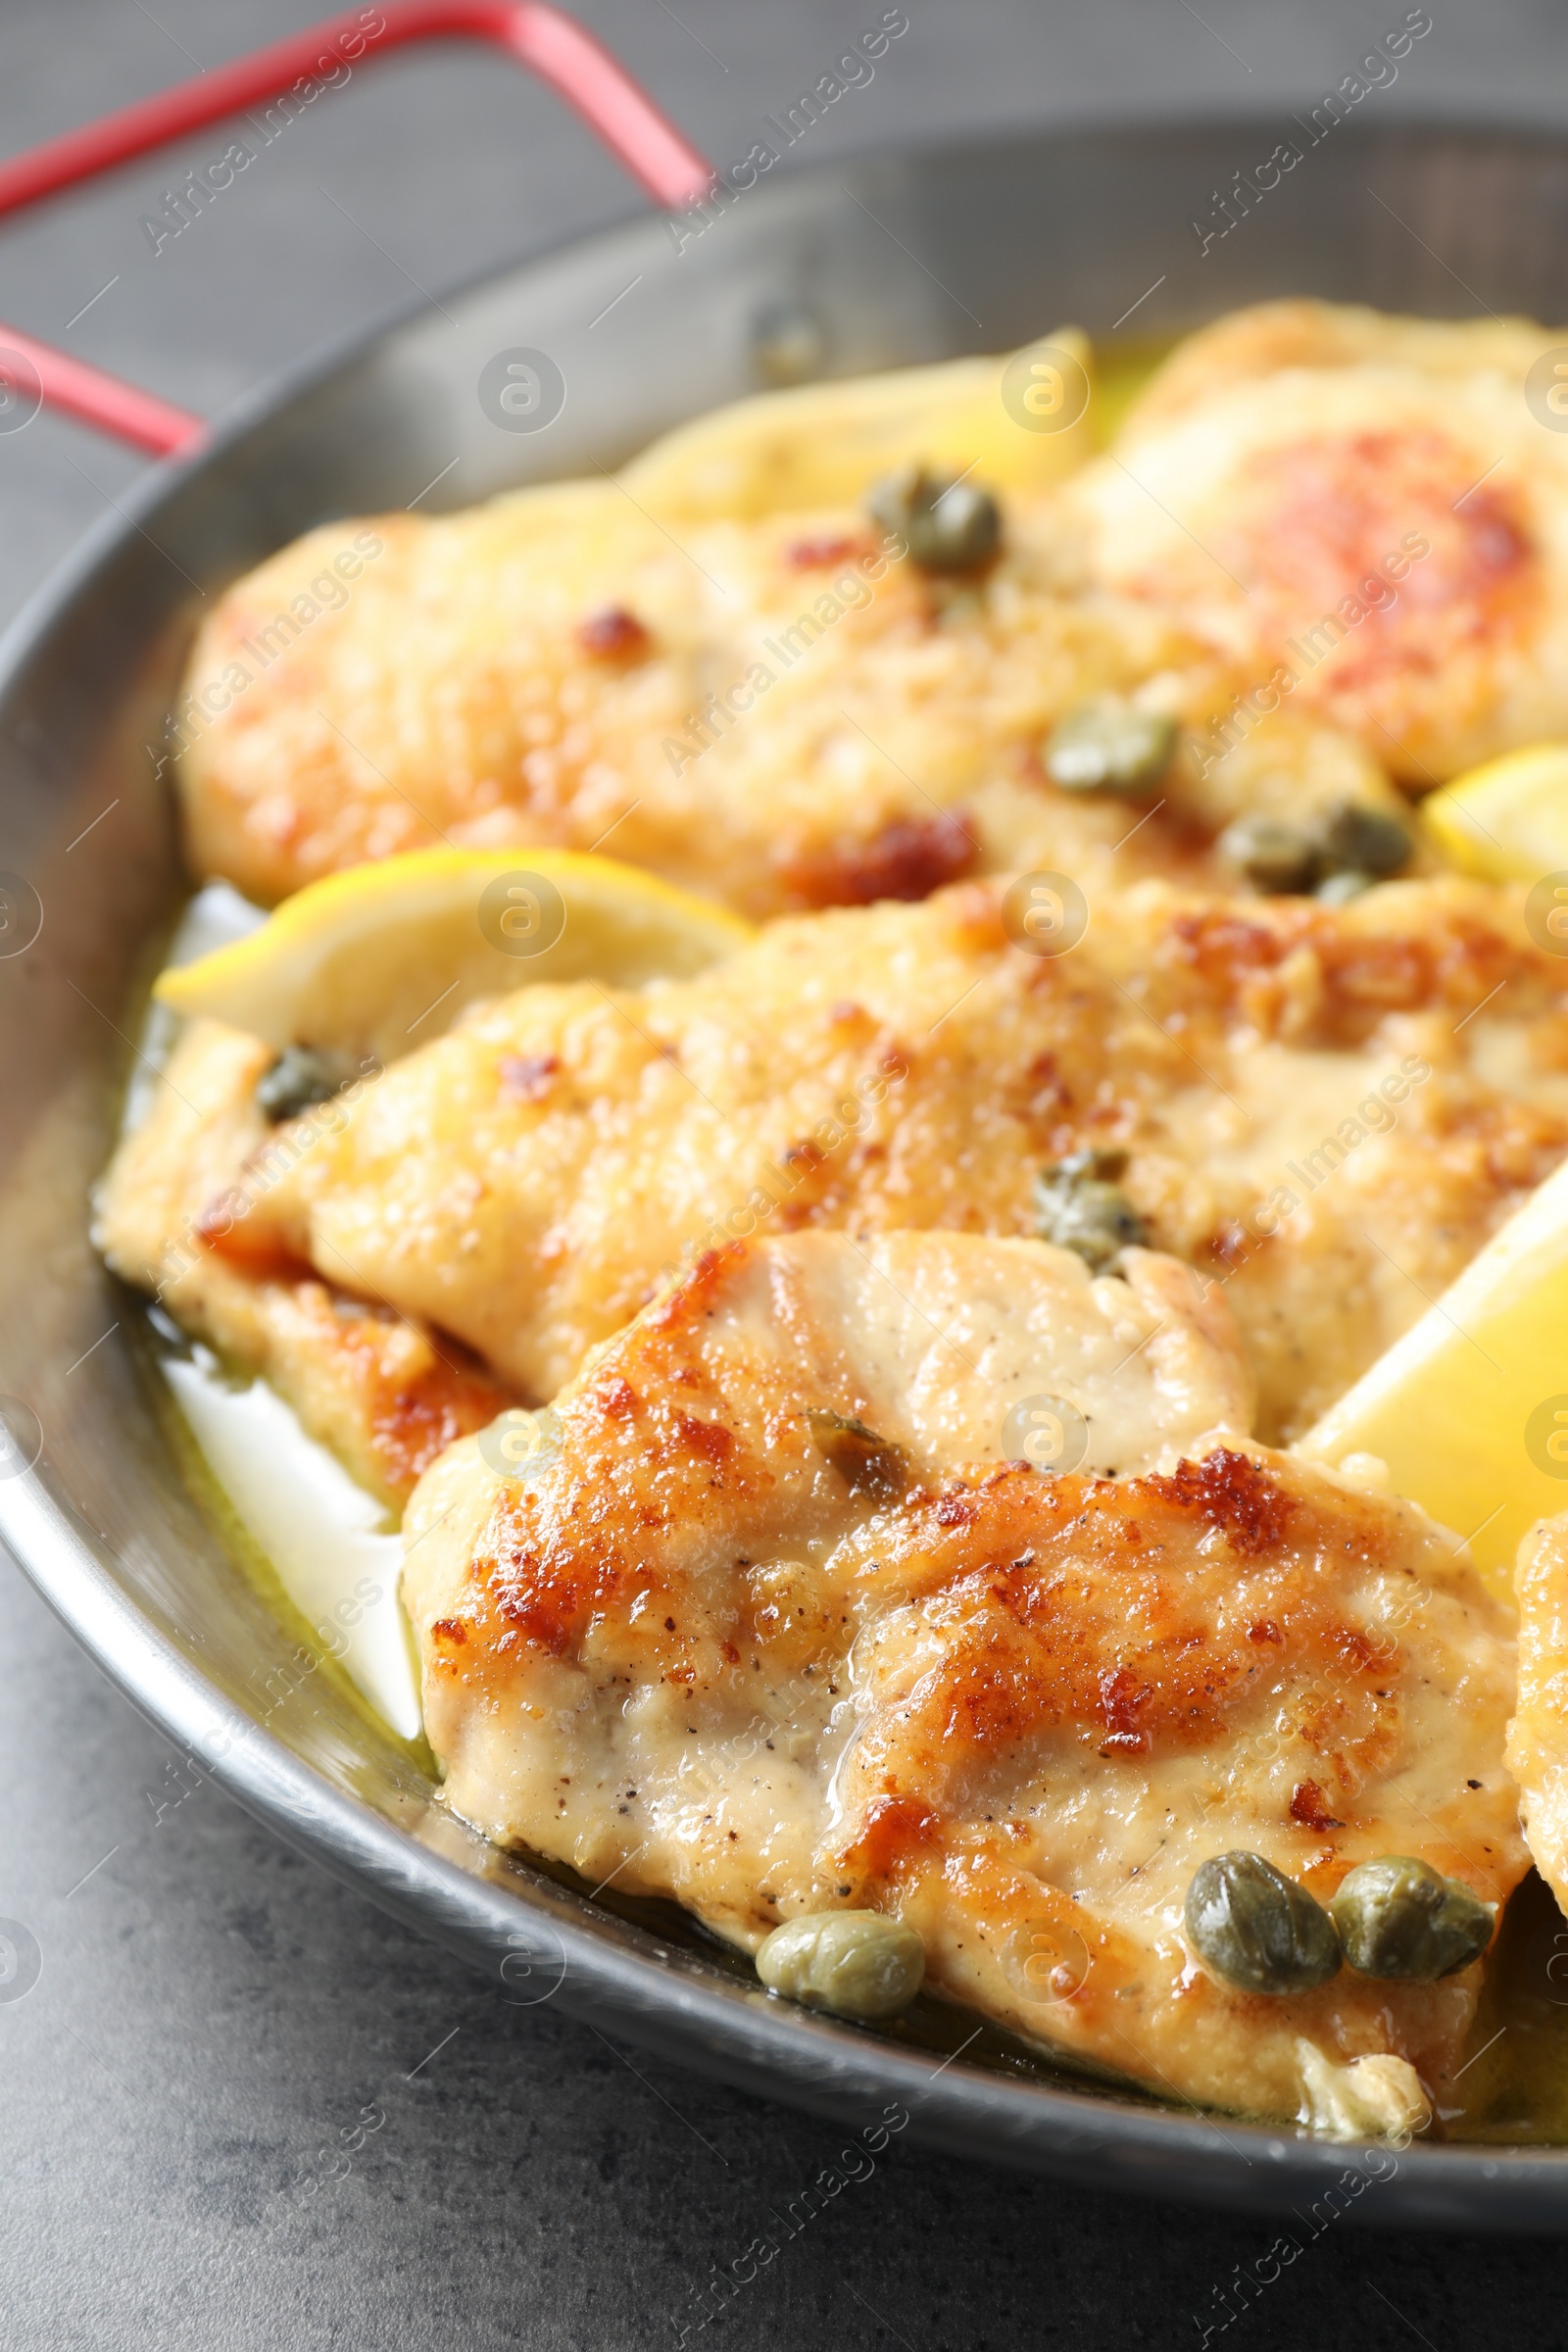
[574,65]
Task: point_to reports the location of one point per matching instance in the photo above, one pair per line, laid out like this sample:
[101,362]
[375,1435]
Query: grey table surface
[211,2011]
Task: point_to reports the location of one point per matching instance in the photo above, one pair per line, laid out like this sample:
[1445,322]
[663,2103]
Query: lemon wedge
[1019,420]
[1506,822]
[1469,1410]
[378,959]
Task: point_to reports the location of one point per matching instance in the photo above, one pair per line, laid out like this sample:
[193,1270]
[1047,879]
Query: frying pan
[875,264]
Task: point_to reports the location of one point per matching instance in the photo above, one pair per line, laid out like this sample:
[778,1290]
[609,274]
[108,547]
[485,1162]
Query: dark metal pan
[880,263]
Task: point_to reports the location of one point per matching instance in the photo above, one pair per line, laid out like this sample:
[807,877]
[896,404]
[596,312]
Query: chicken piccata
[839,1400]
[768,1621]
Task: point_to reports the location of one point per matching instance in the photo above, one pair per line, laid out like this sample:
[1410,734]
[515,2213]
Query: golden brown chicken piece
[1268,338]
[710,1644]
[386,1394]
[775,712]
[1339,531]
[1327,1109]
[1366,517]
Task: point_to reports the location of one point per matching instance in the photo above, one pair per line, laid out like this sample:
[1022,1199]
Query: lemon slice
[377,960]
[1508,820]
[824,445]
[1470,1409]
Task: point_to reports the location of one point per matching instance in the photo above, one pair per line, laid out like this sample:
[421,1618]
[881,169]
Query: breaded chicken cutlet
[1364,515]
[1328,1109]
[1332,544]
[776,713]
[772,1625]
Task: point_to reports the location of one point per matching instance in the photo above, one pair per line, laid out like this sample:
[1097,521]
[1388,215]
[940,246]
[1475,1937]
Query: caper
[946,525]
[855,1963]
[1339,889]
[1258,1928]
[1274,855]
[1337,853]
[1108,745]
[1365,841]
[1080,1208]
[868,1464]
[299,1077]
[1399,1917]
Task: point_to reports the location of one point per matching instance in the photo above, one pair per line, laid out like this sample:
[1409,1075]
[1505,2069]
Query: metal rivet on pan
[788,344]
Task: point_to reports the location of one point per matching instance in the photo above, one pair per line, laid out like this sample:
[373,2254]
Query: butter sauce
[332,1547]
[328,1541]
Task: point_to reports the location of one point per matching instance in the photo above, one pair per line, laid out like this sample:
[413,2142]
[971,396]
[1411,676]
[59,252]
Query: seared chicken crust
[695,1645]
[781,714]
[385,1393]
[1270,338]
[1363,515]
[1316,522]
[1327,1109]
